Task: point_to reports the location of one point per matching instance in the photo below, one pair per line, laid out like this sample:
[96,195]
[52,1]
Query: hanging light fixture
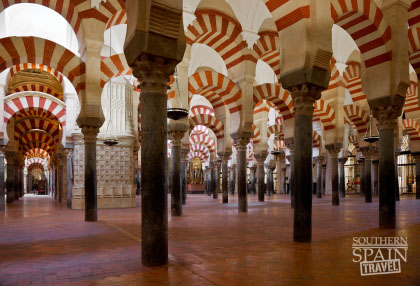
[109,139]
[370,135]
[176,113]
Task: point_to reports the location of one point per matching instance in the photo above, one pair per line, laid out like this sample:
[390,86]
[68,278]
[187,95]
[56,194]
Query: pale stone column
[232,179]
[367,153]
[241,147]
[260,175]
[290,145]
[225,195]
[417,161]
[176,193]
[303,96]
[342,181]
[2,199]
[153,73]
[333,150]
[387,124]
[252,171]
[69,176]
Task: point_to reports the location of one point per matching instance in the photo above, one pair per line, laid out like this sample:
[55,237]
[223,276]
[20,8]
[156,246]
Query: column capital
[334,149]
[304,96]
[319,159]
[342,160]
[290,144]
[224,157]
[386,116]
[175,136]
[252,168]
[367,152]
[90,133]
[153,72]
[241,143]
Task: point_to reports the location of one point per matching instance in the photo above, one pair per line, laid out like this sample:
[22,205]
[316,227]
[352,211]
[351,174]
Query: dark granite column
[232,179]
[397,187]
[60,177]
[2,197]
[290,145]
[153,74]
[175,138]
[10,182]
[333,150]
[361,162]
[17,180]
[387,124]
[69,176]
[253,179]
[184,168]
[304,97]
[367,153]
[225,191]
[241,147]
[91,205]
[319,160]
[375,164]
[417,160]
[209,180]
[214,180]
[260,175]
[324,177]
[342,179]
[270,180]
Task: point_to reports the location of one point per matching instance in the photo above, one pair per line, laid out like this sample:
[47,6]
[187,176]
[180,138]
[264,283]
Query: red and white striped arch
[264,106]
[35,138]
[279,145]
[353,77]
[114,66]
[358,117]
[219,90]
[37,87]
[353,140]
[200,109]
[277,95]
[268,50]
[13,104]
[203,139]
[203,157]
[21,50]
[35,167]
[35,161]
[413,129]
[26,125]
[414,48]
[36,152]
[411,103]
[222,33]
[256,138]
[287,12]
[199,129]
[316,140]
[250,152]
[275,129]
[21,67]
[365,23]
[325,113]
[209,121]
[200,148]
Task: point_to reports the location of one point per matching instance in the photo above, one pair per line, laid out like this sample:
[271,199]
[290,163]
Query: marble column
[17,180]
[2,198]
[361,162]
[209,180]
[232,179]
[324,177]
[303,97]
[215,180]
[367,153]
[225,191]
[175,138]
[417,161]
[184,170]
[291,158]
[319,160]
[260,175]
[252,171]
[333,150]
[387,125]
[241,147]
[69,176]
[153,73]
[375,164]
[280,163]
[342,179]
[10,182]
[397,187]
[270,180]
[60,177]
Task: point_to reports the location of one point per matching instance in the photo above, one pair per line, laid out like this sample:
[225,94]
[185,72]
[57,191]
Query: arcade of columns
[312,110]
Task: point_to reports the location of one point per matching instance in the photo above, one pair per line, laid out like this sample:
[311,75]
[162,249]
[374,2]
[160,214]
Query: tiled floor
[42,243]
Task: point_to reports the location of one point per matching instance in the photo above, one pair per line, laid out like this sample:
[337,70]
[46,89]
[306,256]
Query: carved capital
[319,160]
[153,73]
[367,152]
[241,144]
[333,150]
[175,137]
[90,133]
[386,116]
[304,97]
